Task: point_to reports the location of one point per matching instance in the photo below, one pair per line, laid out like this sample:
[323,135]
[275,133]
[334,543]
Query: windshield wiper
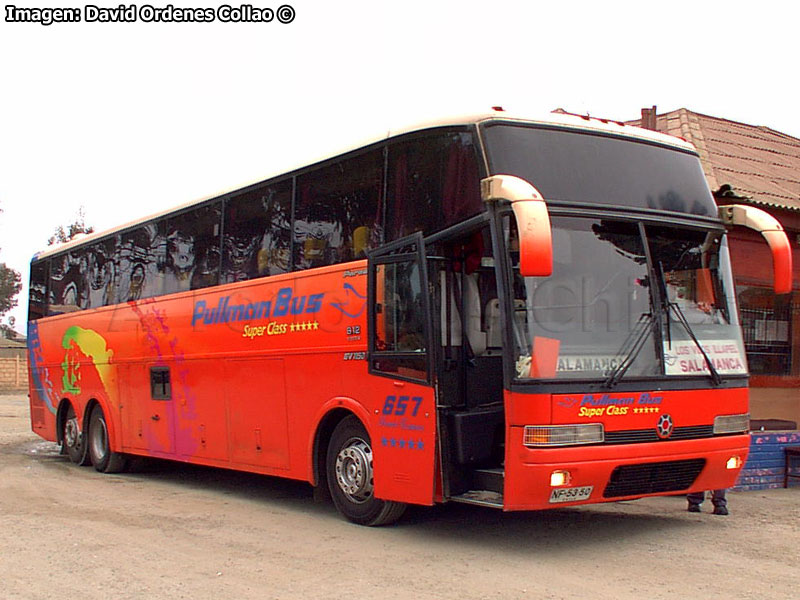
[630,349]
[716,379]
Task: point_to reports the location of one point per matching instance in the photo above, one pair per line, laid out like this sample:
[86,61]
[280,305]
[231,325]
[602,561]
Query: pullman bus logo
[664,427]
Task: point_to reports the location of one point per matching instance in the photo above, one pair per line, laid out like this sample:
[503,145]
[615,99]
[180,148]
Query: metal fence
[768,335]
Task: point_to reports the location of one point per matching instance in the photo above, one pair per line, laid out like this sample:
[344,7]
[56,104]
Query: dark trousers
[717,497]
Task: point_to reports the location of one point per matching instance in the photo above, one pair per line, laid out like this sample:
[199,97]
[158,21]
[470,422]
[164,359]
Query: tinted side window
[257,233]
[101,273]
[433,182]
[337,212]
[37,300]
[58,267]
[81,278]
[69,282]
[192,243]
[140,256]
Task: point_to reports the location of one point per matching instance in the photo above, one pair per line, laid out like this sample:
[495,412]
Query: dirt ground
[177,531]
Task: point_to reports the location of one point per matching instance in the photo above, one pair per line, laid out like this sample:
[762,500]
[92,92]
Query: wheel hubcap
[354,470]
[71,432]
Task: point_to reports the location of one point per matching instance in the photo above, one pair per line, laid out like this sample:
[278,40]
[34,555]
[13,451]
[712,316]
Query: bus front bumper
[542,478]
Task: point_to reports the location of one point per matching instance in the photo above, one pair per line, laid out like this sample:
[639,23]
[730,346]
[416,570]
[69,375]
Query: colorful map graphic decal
[93,345]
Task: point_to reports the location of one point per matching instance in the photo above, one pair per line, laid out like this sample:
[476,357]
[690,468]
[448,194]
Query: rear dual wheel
[349,466]
[73,440]
[103,459]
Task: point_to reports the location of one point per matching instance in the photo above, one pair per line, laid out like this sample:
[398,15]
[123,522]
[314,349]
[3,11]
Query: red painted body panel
[254,366]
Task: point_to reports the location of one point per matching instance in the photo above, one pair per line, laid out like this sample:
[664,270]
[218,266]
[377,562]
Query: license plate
[573,494]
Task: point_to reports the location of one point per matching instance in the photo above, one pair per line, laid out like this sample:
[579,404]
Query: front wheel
[103,459]
[349,466]
[73,440]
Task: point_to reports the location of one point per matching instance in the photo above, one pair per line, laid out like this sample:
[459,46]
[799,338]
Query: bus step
[481,498]
[488,479]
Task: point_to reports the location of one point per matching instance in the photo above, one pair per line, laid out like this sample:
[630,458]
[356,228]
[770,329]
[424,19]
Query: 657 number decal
[400,405]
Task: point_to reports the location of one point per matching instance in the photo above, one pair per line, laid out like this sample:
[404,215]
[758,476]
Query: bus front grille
[634,436]
[653,478]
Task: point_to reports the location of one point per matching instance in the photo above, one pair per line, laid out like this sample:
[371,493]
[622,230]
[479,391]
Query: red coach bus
[494,310]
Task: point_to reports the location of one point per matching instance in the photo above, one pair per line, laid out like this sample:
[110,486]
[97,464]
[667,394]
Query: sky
[129,119]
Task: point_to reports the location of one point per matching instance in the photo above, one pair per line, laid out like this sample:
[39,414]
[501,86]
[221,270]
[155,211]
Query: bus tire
[351,477]
[103,459]
[73,440]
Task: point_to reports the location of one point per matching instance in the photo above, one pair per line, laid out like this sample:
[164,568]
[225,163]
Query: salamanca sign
[685,358]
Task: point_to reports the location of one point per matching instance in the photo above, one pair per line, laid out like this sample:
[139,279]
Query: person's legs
[720,502]
[695,499]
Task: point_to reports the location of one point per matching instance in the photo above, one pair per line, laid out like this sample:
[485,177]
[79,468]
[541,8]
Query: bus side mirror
[769,227]
[533,222]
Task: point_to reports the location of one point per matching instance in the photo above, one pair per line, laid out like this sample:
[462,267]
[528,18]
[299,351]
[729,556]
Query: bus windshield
[580,168]
[606,307]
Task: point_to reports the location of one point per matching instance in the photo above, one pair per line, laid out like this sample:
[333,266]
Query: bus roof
[585,124]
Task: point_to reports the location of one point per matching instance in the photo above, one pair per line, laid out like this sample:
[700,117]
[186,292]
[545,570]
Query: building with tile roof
[753,164]
[750,162]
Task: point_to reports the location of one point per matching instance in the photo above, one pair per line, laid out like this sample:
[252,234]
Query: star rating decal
[304,326]
[646,409]
[402,443]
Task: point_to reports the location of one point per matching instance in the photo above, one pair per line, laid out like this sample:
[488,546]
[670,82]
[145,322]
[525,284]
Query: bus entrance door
[404,437]
[469,366]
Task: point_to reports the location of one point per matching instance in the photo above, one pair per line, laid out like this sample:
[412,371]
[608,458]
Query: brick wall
[765,465]
[13,372]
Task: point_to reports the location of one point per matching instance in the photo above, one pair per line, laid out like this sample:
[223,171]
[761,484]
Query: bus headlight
[563,435]
[731,424]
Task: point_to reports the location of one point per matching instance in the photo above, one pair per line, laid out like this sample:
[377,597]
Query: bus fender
[114,442]
[81,412]
[326,418]
[61,416]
